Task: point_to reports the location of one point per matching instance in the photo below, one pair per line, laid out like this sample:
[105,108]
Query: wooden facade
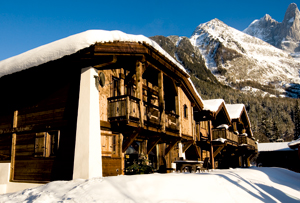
[148,107]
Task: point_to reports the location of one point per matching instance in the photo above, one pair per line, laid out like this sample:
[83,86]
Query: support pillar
[212,159]
[161,100]
[87,158]
[139,87]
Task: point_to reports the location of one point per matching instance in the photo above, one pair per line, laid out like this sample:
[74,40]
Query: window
[110,145]
[46,144]
[115,87]
[130,89]
[185,111]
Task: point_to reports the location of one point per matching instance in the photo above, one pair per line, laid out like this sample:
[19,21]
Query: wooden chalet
[93,103]
[232,141]
[279,154]
[241,125]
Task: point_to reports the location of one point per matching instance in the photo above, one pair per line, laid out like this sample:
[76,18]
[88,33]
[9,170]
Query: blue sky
[25,25]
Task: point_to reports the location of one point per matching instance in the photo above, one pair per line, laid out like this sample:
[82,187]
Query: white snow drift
[232,185]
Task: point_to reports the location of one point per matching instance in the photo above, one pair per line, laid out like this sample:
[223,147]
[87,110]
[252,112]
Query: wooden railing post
[178,110]
[161,100]
[212,160]
[139,86]
[128,110]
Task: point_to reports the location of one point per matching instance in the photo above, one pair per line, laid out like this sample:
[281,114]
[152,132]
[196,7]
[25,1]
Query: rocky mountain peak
[284,35]
[267,17]
[291,13]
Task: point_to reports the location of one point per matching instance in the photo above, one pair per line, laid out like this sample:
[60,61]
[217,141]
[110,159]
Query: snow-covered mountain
[238,58]
[284,35]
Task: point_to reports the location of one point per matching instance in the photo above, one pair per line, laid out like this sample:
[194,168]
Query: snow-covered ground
[232,185]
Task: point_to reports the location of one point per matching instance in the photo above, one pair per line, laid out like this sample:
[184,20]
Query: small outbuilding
[278,154]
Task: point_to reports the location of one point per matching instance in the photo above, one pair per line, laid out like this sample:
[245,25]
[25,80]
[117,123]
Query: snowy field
[232,185]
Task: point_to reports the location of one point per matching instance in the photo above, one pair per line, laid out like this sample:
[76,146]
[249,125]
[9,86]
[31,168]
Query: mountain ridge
[284,35]
[235,57]
[271,118]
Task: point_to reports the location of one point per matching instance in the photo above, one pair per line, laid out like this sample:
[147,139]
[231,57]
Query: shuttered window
[46,144]
[110,145]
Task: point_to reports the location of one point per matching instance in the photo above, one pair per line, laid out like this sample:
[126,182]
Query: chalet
[91,104]
[278,154]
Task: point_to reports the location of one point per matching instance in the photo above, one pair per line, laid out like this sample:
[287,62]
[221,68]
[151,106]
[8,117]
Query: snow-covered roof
[274,146]
[213,105]
[235,110]
[71,45]
[294,143]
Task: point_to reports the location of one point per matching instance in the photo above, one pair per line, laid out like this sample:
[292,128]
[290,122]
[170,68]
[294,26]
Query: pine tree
[276,133]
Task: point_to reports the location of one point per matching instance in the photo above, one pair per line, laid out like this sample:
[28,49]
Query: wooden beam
[161,100]
[139,88]
[187,144]
[212,158]
[152,143]
[198,151]
[127,142]
[171,145]
[13,146]
[114,60]
[127,109]
[122,155]
[105,124]
[218,150]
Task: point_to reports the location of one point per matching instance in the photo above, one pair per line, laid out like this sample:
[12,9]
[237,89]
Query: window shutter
[39,144]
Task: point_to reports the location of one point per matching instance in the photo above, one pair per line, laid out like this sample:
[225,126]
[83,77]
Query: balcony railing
[244,140]
[126,108]
[226,134]
[123,108]
[152,114]
[172,121]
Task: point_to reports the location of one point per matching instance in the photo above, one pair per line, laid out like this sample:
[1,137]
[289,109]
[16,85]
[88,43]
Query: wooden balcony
[246,141]
[123,108]
[230,137]
[126,108]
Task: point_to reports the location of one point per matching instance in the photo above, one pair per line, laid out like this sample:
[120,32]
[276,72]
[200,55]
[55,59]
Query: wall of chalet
[186,122]
[105,92]
[43,101]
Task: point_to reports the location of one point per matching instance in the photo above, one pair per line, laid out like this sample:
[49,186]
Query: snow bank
[233,185]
